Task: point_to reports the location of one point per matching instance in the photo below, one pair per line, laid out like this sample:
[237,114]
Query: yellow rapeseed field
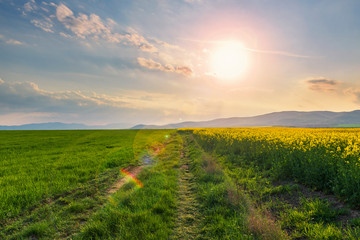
[326,159]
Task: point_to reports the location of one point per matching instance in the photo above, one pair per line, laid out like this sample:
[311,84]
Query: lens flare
[131,176]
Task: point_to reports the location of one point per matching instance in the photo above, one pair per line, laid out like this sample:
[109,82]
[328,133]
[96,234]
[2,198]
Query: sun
[229,60]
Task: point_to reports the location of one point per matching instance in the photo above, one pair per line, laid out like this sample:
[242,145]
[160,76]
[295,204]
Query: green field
[190,184]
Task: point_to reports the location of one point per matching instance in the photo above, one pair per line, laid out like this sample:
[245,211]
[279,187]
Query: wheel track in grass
[101,179]
[48,206]
[188,216]
[129,173]
[133,171]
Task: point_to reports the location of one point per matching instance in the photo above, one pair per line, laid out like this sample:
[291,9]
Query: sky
[156,61]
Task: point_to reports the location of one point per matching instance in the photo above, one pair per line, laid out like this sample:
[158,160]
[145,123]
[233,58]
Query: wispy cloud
[281,53]
[14,42]
[28,96]
[354,93]
[151,64]
[85,26]
[165,44]
[24,99]
[322,84]
[10,41]
[29,7]
[94,27]
[82,26]
[60,19]
[45,25]
[65,35]
[262,51]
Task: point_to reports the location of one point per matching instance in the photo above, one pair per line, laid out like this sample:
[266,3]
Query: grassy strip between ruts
[188,217]
[141,213]
[293,207]
[226,211]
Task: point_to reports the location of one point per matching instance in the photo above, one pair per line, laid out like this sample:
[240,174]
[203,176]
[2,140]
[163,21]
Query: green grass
[54,185]
[48,174]
[222,218]
[142,213]
[188,217]
[227,211]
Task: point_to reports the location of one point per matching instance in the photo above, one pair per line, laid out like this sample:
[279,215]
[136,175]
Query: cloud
[354,93]
[26,102]
[83,25]
[30,6]
[27,96]
[135,39]
[45,25]
[14,42]
[94,27]
[151,64]
[65,35]
[165,44]
[186,71]
[62,20]
[62,12]
[322,84]
[148,48]
[11,41]
[262,51]
[281,53]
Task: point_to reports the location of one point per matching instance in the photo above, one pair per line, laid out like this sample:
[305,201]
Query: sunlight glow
[229,60]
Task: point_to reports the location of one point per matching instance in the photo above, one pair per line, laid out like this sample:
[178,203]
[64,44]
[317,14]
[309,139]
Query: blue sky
[151,61]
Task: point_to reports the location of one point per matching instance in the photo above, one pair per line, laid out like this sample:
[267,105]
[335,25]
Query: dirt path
[188,216]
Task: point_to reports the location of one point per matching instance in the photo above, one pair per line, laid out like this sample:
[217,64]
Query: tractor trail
[188,216]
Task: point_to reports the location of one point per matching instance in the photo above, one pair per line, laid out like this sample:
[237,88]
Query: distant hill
[276,119]
[63,126]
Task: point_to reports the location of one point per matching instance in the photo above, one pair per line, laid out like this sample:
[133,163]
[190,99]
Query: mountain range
[64,126]
[275,119]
